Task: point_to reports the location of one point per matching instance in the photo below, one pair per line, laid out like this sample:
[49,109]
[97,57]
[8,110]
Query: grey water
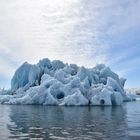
[66,30]
[70,123]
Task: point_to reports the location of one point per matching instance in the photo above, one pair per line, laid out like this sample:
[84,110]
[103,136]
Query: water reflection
[4,120]
[68,123]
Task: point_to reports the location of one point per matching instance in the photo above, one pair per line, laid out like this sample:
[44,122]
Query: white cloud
[74,31]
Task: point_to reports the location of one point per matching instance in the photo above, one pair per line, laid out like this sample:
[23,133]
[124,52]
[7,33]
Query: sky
[74,31]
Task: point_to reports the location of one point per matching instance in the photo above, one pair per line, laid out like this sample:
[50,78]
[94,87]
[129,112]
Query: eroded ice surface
[55,83]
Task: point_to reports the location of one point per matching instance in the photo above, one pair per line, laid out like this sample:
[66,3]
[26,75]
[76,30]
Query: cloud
[74,31]
[122,34]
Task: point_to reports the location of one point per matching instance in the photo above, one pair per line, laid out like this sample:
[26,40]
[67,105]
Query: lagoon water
[70,123]
[68,26]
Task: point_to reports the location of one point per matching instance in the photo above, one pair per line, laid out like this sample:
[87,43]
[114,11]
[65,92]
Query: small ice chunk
[122,81]
[50,100]
[20,78]
[114,84]
[75,99]
[45,63]
[57,64]
[116,98]
[61,76]
[103,98]
[34,75]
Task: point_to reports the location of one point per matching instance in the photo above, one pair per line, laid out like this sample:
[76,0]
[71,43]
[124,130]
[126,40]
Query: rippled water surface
[70,123]
[71,30]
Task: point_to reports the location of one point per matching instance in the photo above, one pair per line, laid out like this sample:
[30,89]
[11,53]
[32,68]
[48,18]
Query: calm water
[69,27]
[70,123]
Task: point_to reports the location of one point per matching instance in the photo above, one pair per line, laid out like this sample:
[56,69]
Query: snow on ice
[56,83]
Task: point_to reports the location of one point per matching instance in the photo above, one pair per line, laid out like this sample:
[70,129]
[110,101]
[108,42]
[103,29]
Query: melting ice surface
[55,83]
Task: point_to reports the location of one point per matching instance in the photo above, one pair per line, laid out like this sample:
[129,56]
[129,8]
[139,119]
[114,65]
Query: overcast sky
[75,31]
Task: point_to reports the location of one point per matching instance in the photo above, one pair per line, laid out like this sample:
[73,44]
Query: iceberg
[56,83]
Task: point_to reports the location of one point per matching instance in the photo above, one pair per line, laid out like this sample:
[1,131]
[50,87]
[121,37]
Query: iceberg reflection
[52,122]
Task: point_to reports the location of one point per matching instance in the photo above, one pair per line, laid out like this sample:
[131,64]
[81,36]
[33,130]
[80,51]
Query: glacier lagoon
[72,91]
[70,123]
[58,122]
